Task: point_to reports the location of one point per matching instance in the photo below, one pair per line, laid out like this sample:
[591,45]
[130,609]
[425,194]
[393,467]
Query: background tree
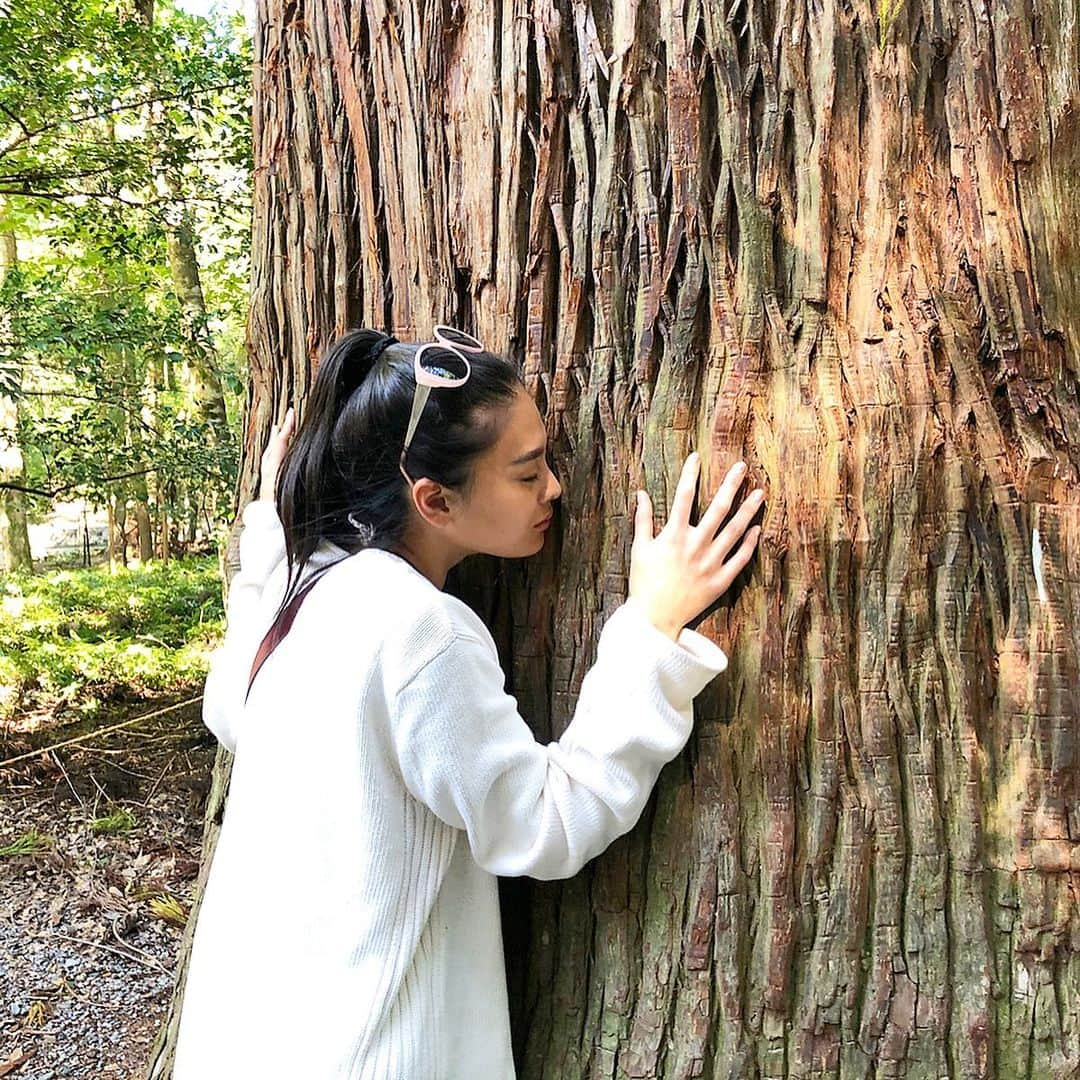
[124,153]
[837,240]
[14,535]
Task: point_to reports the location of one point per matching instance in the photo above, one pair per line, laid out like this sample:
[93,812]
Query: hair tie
[385,343]
[356,367]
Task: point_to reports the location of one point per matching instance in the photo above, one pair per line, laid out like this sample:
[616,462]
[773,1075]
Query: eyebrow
[528,457]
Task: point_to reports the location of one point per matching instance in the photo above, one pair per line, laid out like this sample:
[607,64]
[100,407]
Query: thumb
[643,517]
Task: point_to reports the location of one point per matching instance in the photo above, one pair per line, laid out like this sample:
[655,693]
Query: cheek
[516,503]
[497,509]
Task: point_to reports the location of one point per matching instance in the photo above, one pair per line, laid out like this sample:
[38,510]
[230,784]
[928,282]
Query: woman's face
[512,490]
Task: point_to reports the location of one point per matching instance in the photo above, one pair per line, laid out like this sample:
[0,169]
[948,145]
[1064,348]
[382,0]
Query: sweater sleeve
[466,753]
[262,552]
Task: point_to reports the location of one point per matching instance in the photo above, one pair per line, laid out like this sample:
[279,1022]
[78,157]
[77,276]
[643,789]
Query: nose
[553,495]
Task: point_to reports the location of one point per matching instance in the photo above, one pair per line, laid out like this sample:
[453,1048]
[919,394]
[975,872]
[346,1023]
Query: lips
[547,520]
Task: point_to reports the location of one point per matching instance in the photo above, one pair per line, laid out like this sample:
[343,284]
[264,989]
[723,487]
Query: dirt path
[91,921]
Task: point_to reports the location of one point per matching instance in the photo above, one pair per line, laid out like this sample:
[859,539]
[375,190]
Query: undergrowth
[74,640]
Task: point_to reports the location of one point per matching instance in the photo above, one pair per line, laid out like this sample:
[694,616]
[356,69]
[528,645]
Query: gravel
[86,965]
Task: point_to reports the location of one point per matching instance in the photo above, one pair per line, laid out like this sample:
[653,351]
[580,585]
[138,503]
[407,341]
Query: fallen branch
[101,731]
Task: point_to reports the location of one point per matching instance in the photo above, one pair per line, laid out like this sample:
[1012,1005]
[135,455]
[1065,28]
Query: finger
[643,517]
[735,528]
[721,502]
[737,563]
[684,491]
[288,423]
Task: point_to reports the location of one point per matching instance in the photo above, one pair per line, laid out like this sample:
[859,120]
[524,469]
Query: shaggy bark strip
[839,240]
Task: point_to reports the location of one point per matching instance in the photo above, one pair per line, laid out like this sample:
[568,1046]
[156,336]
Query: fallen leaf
[56,910]
[13,1062]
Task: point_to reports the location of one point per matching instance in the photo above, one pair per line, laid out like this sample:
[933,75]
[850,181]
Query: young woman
[383,777]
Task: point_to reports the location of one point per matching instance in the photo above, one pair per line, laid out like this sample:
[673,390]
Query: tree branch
[35,132]
[54,492]
[63,196]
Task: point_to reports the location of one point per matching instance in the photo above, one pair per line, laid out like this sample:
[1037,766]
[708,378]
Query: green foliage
[81,637]
[117,136]
[121,820]
[78,79]
[886,16]
[100,346]
[30,843]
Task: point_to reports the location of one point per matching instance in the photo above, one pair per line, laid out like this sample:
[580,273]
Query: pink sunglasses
[429,372]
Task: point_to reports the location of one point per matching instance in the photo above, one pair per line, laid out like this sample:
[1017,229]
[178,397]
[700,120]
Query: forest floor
[99,855]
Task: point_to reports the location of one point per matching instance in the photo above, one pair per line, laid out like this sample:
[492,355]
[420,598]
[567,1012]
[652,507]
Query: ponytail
[310,493]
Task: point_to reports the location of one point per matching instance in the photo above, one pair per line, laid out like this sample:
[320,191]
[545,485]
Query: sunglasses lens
[459,337]
[444,363]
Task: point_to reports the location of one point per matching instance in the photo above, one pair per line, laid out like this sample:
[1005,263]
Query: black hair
[340,479]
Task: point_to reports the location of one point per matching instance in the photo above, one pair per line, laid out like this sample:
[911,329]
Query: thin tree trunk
[14,531]
[87,553]
[143,521]
[111,545]
[204,383]
[203,379]
[836,241]
[121,526]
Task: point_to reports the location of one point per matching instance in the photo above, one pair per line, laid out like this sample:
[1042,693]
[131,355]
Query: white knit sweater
[350,926]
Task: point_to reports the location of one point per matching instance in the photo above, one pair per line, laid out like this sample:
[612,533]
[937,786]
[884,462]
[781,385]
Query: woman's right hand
[270,463]
[678,573]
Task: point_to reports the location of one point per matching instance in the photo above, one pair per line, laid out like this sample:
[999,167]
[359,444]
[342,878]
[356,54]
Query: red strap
[278,629]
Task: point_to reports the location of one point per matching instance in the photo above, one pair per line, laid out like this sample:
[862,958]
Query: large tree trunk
[836,241]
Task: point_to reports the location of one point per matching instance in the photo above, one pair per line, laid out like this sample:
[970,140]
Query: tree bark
[837,241]
[14,531]
[204,382]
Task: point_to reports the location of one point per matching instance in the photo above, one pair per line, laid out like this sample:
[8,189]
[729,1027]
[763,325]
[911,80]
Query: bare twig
[60,764]
[153,787]
[125,106]
[140,958]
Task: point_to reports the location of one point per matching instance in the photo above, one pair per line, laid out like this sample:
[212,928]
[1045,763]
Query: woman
[382,777]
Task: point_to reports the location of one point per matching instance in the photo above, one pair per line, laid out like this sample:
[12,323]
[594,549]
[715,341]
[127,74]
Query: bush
[76,638]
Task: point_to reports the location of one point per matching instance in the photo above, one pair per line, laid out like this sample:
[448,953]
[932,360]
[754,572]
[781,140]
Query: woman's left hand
[280,436]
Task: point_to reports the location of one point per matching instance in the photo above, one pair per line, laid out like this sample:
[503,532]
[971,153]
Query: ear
[434,503]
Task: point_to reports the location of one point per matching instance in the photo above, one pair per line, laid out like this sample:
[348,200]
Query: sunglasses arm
[419,401]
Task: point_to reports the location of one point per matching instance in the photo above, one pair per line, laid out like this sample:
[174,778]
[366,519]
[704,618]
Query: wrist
[666,626]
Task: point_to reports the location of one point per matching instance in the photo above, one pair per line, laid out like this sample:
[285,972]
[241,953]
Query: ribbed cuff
[692,662]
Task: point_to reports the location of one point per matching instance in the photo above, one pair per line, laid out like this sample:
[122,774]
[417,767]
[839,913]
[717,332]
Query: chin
[525,550]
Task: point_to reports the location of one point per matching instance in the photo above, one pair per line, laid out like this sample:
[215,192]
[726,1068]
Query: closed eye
[530,479]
